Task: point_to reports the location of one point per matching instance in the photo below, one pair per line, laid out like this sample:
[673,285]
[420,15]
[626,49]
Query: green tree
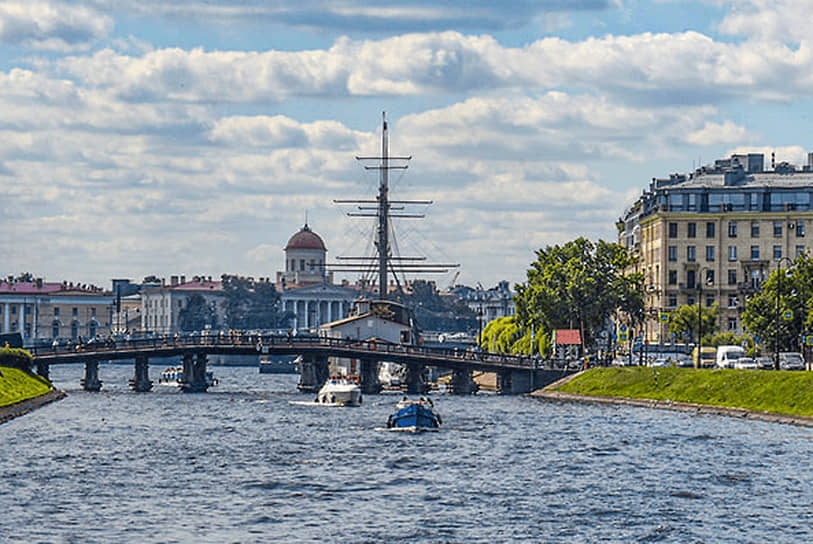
[580,284]
[197,314]
[684,323]
[437,312]
[764,314]
[251,304]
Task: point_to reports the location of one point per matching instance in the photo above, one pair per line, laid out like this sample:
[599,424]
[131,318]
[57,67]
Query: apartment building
[715,234]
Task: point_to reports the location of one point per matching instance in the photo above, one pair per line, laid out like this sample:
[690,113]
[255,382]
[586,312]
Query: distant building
[161,307]
[46,310]
[306,287]
[488,303]
[714,235]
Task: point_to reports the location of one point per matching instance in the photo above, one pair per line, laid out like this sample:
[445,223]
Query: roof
[43,288]
[567,337]
[204,285]
[305,239]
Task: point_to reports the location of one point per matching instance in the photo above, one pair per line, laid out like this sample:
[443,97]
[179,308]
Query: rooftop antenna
[381,208]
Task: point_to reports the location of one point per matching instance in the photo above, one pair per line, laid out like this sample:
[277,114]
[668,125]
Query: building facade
[162,307]
[42,311]
[713,236]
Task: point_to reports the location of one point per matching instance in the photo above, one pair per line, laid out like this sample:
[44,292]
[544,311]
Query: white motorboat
[173,377]
[339,392]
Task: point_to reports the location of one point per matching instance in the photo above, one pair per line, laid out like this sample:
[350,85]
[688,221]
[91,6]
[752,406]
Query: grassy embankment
[779,392]
[17,385]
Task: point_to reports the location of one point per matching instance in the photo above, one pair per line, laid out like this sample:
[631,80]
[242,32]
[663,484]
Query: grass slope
[771,391]
[16,385]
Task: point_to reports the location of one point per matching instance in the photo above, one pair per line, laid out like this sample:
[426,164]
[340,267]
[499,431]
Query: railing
[259,341]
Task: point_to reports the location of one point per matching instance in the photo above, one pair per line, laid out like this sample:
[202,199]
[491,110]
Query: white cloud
[57,26]
[718,133]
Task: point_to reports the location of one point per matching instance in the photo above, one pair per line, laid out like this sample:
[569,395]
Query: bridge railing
[258,341]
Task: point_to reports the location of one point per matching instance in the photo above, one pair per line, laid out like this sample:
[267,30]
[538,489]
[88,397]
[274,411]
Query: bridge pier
[415,384]
[194,381]
[141,381]
[368,377]
[91,381]
[462,383]
[43,370]
[313,373]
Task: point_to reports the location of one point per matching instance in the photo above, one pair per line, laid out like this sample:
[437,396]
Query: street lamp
[700,315]
[778,290]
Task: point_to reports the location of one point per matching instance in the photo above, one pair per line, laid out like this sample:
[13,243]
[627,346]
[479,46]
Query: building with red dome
[305,257]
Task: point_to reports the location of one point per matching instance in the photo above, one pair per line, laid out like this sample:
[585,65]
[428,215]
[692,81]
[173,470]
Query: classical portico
[315,305]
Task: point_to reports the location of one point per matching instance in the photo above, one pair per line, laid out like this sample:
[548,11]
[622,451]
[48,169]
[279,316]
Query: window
[55,330]
[709,301]
[672,230]
[777,253]
[732,253]
[800,228]
[709,278]
[692,230]
[732,301]
[754,229]
[800,250]
[690,300]
[672,301]
[673,253]
[732,229]
[302,265]
[754,253]
[732,277]
[75,312]
[93,312]
[710,253]
[27,310]
[732,323]
[710,230]
[690,279]
[14,310]
[56,312]
[777,228]
[673,277]
[691,254]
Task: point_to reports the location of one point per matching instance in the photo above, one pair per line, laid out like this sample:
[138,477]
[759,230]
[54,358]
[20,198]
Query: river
[243,464]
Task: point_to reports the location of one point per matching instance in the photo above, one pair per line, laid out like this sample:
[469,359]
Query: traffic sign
[809,340]
[623,328]
[788,315]
[623,337]
[664,317]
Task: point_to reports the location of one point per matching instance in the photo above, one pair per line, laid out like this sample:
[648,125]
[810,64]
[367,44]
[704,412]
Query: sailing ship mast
[382,211]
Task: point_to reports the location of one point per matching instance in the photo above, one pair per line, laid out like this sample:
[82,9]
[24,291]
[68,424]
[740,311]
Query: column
[34,321]
[6,318]
[462,382]
[21,319]
[414,380]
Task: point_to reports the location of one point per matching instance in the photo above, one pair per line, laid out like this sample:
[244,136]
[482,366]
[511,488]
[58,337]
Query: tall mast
[383,212]
[387,263]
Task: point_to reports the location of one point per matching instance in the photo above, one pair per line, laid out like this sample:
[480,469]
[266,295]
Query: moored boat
[417,415]
[173,377]
[339,391]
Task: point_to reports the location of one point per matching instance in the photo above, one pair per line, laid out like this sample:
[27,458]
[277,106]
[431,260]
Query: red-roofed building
[567,337]
[42,310]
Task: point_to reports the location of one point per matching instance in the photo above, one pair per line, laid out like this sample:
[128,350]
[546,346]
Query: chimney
[173,280]
[183,280]
[773,160]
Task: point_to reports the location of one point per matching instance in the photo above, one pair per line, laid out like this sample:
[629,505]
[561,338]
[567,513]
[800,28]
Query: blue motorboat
[414,415]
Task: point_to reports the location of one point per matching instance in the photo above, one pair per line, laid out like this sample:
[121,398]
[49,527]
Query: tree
[795,295]
[197,315]
[579,285]
[684,323]
[437,312]
[251,304]
[504,335]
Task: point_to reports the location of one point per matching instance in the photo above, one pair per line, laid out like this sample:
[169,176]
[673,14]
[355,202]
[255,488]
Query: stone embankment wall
[21,408]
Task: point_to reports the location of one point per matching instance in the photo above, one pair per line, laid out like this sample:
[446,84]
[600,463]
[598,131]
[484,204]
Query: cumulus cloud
[57,26]
[684,68]
[718,133]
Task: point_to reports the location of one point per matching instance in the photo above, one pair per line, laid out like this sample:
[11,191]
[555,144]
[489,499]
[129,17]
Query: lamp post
[778,291]
[700,316]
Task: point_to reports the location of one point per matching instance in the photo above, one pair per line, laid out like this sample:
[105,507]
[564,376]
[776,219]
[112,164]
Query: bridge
[515,374]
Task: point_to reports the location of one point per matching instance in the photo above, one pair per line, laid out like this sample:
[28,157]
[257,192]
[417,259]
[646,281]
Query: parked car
[661,362]
[745,363]
[791,360]
[764,363]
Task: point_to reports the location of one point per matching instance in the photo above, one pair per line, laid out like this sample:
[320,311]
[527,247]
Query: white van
[727,355]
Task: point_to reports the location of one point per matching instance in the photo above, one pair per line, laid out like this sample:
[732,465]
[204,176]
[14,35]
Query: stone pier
[194,379]
[462,383]
[415,383]
[313,373]
[141,381]
[91,381]
[368,375]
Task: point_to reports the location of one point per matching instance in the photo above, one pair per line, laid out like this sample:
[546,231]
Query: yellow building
[713,236]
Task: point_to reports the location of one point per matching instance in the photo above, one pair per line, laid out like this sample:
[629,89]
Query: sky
[194,137]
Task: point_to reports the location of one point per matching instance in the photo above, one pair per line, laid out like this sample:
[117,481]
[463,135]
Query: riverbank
[22,392]
[782,397]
